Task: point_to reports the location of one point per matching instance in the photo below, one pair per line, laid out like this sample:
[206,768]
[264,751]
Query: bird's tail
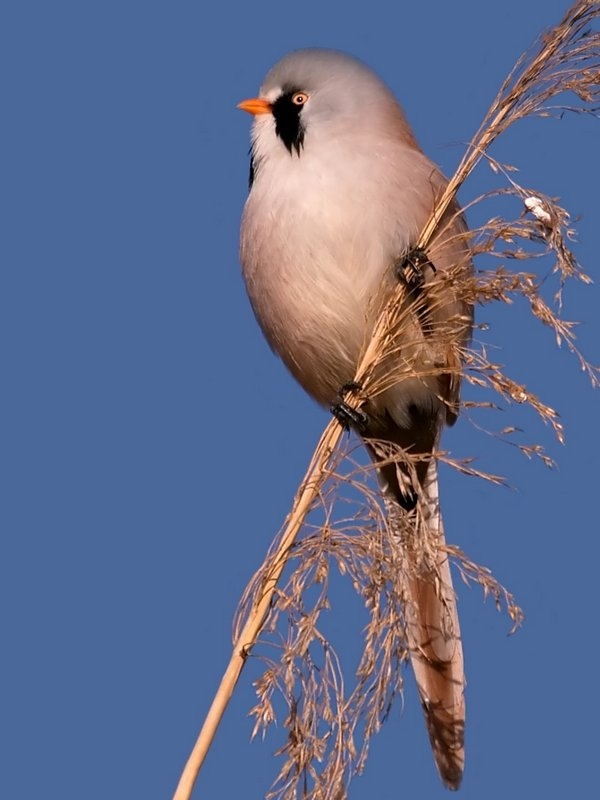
[432,627]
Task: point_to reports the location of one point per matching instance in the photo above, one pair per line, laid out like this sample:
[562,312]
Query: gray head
[321,91]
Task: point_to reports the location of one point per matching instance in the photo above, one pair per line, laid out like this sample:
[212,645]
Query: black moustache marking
[288,124]
[252,172]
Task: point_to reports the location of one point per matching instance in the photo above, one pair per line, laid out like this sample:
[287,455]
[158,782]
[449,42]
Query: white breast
[320,233]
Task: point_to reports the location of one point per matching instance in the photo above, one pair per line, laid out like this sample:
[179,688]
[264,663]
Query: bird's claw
[411,268]
[346,415]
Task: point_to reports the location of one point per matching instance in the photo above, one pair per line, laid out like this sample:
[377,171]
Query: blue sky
[151,443]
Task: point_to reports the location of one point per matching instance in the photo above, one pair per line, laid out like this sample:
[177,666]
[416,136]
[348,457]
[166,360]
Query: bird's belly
[313,277]
[314,322]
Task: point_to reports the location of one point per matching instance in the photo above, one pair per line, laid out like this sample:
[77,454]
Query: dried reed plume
[338,517]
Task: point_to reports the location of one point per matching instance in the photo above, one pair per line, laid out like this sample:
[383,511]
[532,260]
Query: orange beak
[255,106]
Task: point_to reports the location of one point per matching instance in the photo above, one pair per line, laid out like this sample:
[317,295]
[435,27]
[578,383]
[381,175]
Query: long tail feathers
[433,634]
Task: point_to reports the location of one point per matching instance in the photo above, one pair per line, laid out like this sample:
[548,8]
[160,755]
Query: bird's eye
[299,98]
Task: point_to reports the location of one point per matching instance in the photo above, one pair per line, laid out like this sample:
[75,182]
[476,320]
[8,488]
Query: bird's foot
[346,415]
[411,268]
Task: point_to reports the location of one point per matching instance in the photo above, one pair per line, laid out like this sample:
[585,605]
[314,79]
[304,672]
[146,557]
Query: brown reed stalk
[324,722]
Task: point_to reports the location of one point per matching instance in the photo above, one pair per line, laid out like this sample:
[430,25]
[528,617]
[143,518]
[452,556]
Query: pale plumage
[340,193]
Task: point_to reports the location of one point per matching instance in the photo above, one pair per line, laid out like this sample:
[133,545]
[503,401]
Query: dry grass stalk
[329,726]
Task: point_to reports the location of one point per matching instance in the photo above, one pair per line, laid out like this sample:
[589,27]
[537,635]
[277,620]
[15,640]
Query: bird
[339,192]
